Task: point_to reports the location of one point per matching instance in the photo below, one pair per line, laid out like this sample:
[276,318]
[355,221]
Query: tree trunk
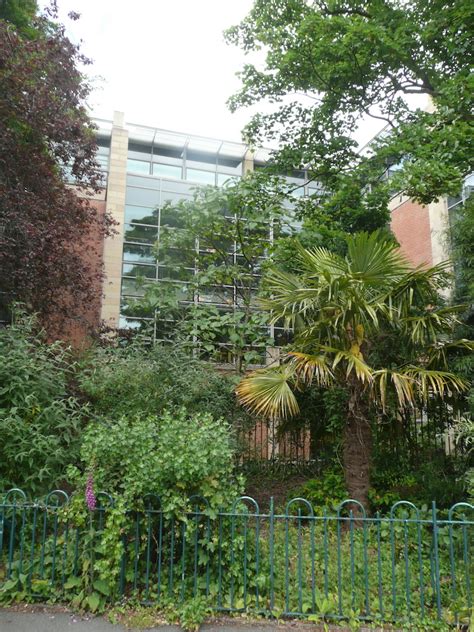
[357,452]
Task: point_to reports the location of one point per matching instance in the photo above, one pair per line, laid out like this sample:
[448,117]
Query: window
[223,178]
[141,215]
[222,295]
[129,323]
[203,177]
[297,192]
[129,306]
[140,233]
[103,161]
[138,166]
[133,270]
[170,218]
[138,253]
[131,288]
[175,274]
[167,171]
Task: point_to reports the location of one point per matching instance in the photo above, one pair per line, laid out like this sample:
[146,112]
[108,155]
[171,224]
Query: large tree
[330,64]
[211,251]
[46,140]
[366,323]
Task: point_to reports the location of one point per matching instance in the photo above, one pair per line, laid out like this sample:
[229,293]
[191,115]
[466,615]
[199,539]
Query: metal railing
[411,564]
[409,433]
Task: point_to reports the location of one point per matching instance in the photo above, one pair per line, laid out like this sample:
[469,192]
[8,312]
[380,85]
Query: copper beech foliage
[45,133]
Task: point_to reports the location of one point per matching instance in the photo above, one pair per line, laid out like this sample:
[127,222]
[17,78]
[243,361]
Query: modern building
[148,168]
[145,168]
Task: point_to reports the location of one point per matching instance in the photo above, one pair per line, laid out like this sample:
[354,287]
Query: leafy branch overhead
[331,65]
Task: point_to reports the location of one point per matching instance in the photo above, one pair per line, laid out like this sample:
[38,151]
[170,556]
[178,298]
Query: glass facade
[186,165]
[158,176]
[455,202]
[162,169]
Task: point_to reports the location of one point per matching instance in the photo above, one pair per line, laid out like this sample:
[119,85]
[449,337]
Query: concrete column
[248,162]
[439,227]
[113,246]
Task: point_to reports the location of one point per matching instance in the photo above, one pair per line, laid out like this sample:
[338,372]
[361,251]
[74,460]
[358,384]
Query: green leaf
[73,582]
[102,586]
[10,585]
[93,601]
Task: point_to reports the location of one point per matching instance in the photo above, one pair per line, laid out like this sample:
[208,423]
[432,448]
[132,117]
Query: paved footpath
[52,621]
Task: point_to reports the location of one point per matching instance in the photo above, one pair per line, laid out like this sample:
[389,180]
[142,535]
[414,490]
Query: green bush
[40,423]
[328,490]
[148,380]
[435,476]
[174,455]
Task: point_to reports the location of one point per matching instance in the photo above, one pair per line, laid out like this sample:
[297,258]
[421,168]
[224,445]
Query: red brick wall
[83,318]
[411,225]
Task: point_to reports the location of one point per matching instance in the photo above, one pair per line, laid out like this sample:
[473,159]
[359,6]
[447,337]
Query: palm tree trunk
[357,451]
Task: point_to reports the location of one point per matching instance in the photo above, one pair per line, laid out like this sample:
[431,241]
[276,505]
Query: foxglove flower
[90,496]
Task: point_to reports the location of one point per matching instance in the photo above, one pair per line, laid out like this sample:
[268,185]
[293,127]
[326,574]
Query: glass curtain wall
[157,176]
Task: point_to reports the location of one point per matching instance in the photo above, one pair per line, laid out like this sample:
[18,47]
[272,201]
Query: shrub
[175,456]
[326,491]
[148,380]
[435,476]
[40,422]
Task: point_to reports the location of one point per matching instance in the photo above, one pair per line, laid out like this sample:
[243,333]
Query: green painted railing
[409,565]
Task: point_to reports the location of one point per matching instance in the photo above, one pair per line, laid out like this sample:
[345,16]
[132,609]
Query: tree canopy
[211,251]
[46,140]
[352,60]
[21,13]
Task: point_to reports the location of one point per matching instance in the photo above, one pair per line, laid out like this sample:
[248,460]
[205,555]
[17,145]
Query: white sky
[165,63]
[162,62]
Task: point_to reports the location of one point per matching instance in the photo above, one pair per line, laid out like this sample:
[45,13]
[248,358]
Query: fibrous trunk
[357,452]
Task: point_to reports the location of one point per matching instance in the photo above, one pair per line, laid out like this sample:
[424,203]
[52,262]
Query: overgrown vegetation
[174,455]
[146,435]
[40,420]
[152,461]
[367,323]
[143,379]
[323,568]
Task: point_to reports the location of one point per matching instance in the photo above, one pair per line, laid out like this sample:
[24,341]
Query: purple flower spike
[90,496]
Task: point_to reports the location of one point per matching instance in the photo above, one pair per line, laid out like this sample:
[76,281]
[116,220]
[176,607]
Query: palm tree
[367,322]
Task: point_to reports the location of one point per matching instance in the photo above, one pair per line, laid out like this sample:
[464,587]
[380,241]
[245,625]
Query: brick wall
[83,318]
[410,223]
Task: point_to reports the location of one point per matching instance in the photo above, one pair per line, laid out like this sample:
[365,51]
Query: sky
[164,63]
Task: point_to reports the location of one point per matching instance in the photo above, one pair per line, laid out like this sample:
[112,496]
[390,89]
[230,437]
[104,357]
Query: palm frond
[289,296]
[320,261]
[268,392]
[374,259]
[426,327]
[437,353]
[401,383]
[430,382]
[420,286]
[354,363]
[340,306]
[312,368]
